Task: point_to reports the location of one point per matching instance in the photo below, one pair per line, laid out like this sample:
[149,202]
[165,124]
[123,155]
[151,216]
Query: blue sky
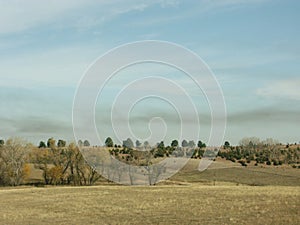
[252,46]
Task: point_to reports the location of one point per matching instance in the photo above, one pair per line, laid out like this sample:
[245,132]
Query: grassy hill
[229,173]
[220,172]
[185,204]
[225,193]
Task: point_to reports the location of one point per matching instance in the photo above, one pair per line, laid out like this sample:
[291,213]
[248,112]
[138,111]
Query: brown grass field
[188,204]
[226,193]
[225,172]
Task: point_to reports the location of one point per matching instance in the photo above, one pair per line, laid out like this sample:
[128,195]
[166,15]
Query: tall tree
[109,142]
[67,166]
[51,143]
[201,144]
[138,143]
[191,144]
[86,143]
[184,143]
[128,143]
[161,145]
[61,143]
[174,143]
[80,143]
[249,141]
[226,144]
[13,158]
[42,144]
[146,145]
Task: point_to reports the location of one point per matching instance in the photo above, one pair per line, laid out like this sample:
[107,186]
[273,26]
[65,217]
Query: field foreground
[186,204]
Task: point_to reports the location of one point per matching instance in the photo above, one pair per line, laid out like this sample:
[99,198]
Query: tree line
[63,164]
[265,152]
[60,163]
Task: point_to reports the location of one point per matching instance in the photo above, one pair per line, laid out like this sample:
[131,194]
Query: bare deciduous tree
[65,165]
[13,157]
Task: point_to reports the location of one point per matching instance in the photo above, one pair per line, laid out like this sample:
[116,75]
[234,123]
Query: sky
[251,46]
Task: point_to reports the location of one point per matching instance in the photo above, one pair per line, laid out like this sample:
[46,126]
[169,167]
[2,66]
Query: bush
[159,153]
[242,162]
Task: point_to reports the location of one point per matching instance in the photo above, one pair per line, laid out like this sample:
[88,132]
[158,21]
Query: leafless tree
[13,157]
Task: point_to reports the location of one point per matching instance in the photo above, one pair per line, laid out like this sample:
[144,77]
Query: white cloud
[214,4]
[288,89]
[57,67]
[194,8]
[17,16]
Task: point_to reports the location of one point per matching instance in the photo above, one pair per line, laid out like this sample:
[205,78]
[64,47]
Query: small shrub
[242,162]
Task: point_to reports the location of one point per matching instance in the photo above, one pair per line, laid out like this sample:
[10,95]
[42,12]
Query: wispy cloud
[194,8]
[224,3]
[49,44]
[17,16]
[283,89]
[264,115]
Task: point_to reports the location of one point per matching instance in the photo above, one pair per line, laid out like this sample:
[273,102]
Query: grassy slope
[226,172]
[222,172]
[190,204]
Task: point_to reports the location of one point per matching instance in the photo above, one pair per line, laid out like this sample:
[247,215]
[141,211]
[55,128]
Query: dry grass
[190,204]
[223,171]
[195,201]
[220,172]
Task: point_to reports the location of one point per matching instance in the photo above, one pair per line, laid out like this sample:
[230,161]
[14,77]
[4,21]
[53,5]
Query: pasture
[226,193]
[172,204]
